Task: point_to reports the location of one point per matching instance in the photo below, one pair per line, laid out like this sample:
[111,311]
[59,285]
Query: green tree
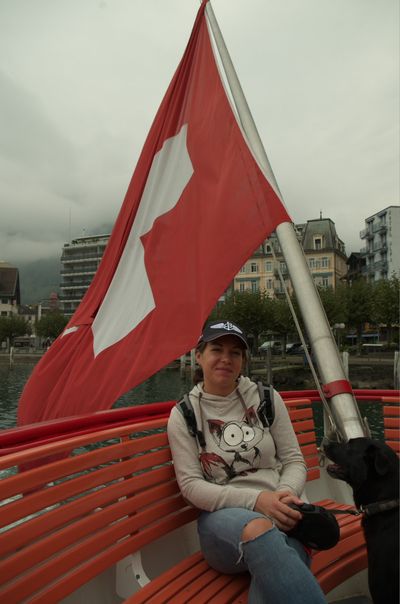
[359,306]
[282,319]
[386,304]
[334,303]
[51,325]
[13,327]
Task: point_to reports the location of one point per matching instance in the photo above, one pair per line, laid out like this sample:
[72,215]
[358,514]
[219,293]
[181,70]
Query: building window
[4,313]
[317,243]
[254,287]
[269,283]
[254,267]
[325,262]
[243,269]
[268,267]
[311,263]
[282,266]
[241,287]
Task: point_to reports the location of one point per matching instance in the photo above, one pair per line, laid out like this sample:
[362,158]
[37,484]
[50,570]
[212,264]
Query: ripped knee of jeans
[253,530]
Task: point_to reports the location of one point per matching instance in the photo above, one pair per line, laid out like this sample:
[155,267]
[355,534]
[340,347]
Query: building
[382,244]
[10,296]
[356,263]
[52,304]
[29,312]
[324,251]
[80,260]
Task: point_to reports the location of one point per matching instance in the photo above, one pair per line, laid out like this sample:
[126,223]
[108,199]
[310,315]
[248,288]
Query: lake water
[165,385]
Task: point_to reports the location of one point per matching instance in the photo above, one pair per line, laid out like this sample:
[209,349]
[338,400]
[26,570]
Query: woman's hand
[276,505]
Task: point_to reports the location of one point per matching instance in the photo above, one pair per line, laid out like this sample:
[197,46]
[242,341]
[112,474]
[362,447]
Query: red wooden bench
[66,521]
[391,421]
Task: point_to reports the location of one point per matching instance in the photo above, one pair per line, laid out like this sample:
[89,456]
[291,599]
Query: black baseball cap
[217,329]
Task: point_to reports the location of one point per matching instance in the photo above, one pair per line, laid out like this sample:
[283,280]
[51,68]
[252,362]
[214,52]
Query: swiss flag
[197,207]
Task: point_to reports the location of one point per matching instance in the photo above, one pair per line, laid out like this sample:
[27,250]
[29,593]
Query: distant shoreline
[374,370]
[21,357]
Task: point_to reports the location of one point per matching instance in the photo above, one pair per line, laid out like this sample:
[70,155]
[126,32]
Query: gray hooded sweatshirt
[241,457]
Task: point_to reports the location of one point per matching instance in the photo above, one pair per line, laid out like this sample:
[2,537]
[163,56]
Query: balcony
[381,265]
[382,246]
[75,301]
[71,273]
[366,234]
[379,228]
[82,283]
[79,257]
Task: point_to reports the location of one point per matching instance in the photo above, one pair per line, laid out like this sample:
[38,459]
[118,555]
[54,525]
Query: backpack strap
[266,410]
[186,408]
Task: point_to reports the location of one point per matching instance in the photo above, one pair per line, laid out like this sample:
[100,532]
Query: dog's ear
[379,458]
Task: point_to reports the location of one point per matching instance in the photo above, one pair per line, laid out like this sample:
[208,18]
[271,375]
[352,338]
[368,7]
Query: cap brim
[221,334]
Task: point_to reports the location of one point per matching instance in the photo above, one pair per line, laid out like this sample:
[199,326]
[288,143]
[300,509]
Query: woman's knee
[255,528]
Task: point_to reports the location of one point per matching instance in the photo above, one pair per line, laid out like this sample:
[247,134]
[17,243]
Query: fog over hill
[39,279]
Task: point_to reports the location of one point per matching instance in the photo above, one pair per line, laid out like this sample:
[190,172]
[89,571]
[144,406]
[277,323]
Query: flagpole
[324,349]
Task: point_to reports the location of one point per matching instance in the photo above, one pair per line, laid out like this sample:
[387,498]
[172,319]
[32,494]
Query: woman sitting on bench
[242,473]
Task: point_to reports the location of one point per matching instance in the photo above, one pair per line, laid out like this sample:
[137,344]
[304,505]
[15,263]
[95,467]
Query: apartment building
[324,251]
[10,296]
[80,260]
[382,244]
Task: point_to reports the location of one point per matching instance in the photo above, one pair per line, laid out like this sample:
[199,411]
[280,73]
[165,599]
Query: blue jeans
[278,564]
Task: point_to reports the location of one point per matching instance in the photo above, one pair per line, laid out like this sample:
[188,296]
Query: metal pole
[192,362]
[345,356]
[343,406]
[183,365]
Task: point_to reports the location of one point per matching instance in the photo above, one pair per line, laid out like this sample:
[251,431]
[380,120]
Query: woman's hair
[198,373]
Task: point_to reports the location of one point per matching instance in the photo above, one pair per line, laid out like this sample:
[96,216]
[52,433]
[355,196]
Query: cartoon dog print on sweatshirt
[237,440]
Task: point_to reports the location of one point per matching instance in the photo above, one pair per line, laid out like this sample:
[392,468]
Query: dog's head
[370,467]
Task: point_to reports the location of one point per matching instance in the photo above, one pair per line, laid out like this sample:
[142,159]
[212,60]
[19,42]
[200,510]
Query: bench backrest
[94,500]
[391,422]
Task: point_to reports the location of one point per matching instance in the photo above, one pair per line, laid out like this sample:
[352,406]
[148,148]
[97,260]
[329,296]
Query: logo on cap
[227,326]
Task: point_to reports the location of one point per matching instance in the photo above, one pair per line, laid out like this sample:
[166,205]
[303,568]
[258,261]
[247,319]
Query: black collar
[380,506]
[370,509]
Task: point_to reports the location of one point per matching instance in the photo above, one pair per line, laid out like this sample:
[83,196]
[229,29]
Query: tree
[13,327]
[334,303]
[359,306]
[282,319]
[385,308]
[51,325]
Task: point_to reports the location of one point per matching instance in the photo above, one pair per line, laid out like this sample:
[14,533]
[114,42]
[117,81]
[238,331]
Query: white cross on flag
[197,207]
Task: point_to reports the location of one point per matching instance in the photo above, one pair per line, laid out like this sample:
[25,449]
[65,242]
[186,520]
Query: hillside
[38,279]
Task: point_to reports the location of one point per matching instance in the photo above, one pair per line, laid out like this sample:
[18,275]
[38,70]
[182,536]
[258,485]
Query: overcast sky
[81,81]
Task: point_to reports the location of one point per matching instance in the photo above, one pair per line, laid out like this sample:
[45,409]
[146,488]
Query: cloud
[81,80]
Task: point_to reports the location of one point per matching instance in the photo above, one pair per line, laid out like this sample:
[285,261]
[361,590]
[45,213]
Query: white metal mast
[342,402]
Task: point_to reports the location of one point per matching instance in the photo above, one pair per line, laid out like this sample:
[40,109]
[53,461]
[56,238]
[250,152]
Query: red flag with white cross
[197,207]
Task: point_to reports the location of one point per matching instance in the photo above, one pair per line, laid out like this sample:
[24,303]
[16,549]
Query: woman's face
[221,362]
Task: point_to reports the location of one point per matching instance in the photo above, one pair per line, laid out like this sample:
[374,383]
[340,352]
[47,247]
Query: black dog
[371,468]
